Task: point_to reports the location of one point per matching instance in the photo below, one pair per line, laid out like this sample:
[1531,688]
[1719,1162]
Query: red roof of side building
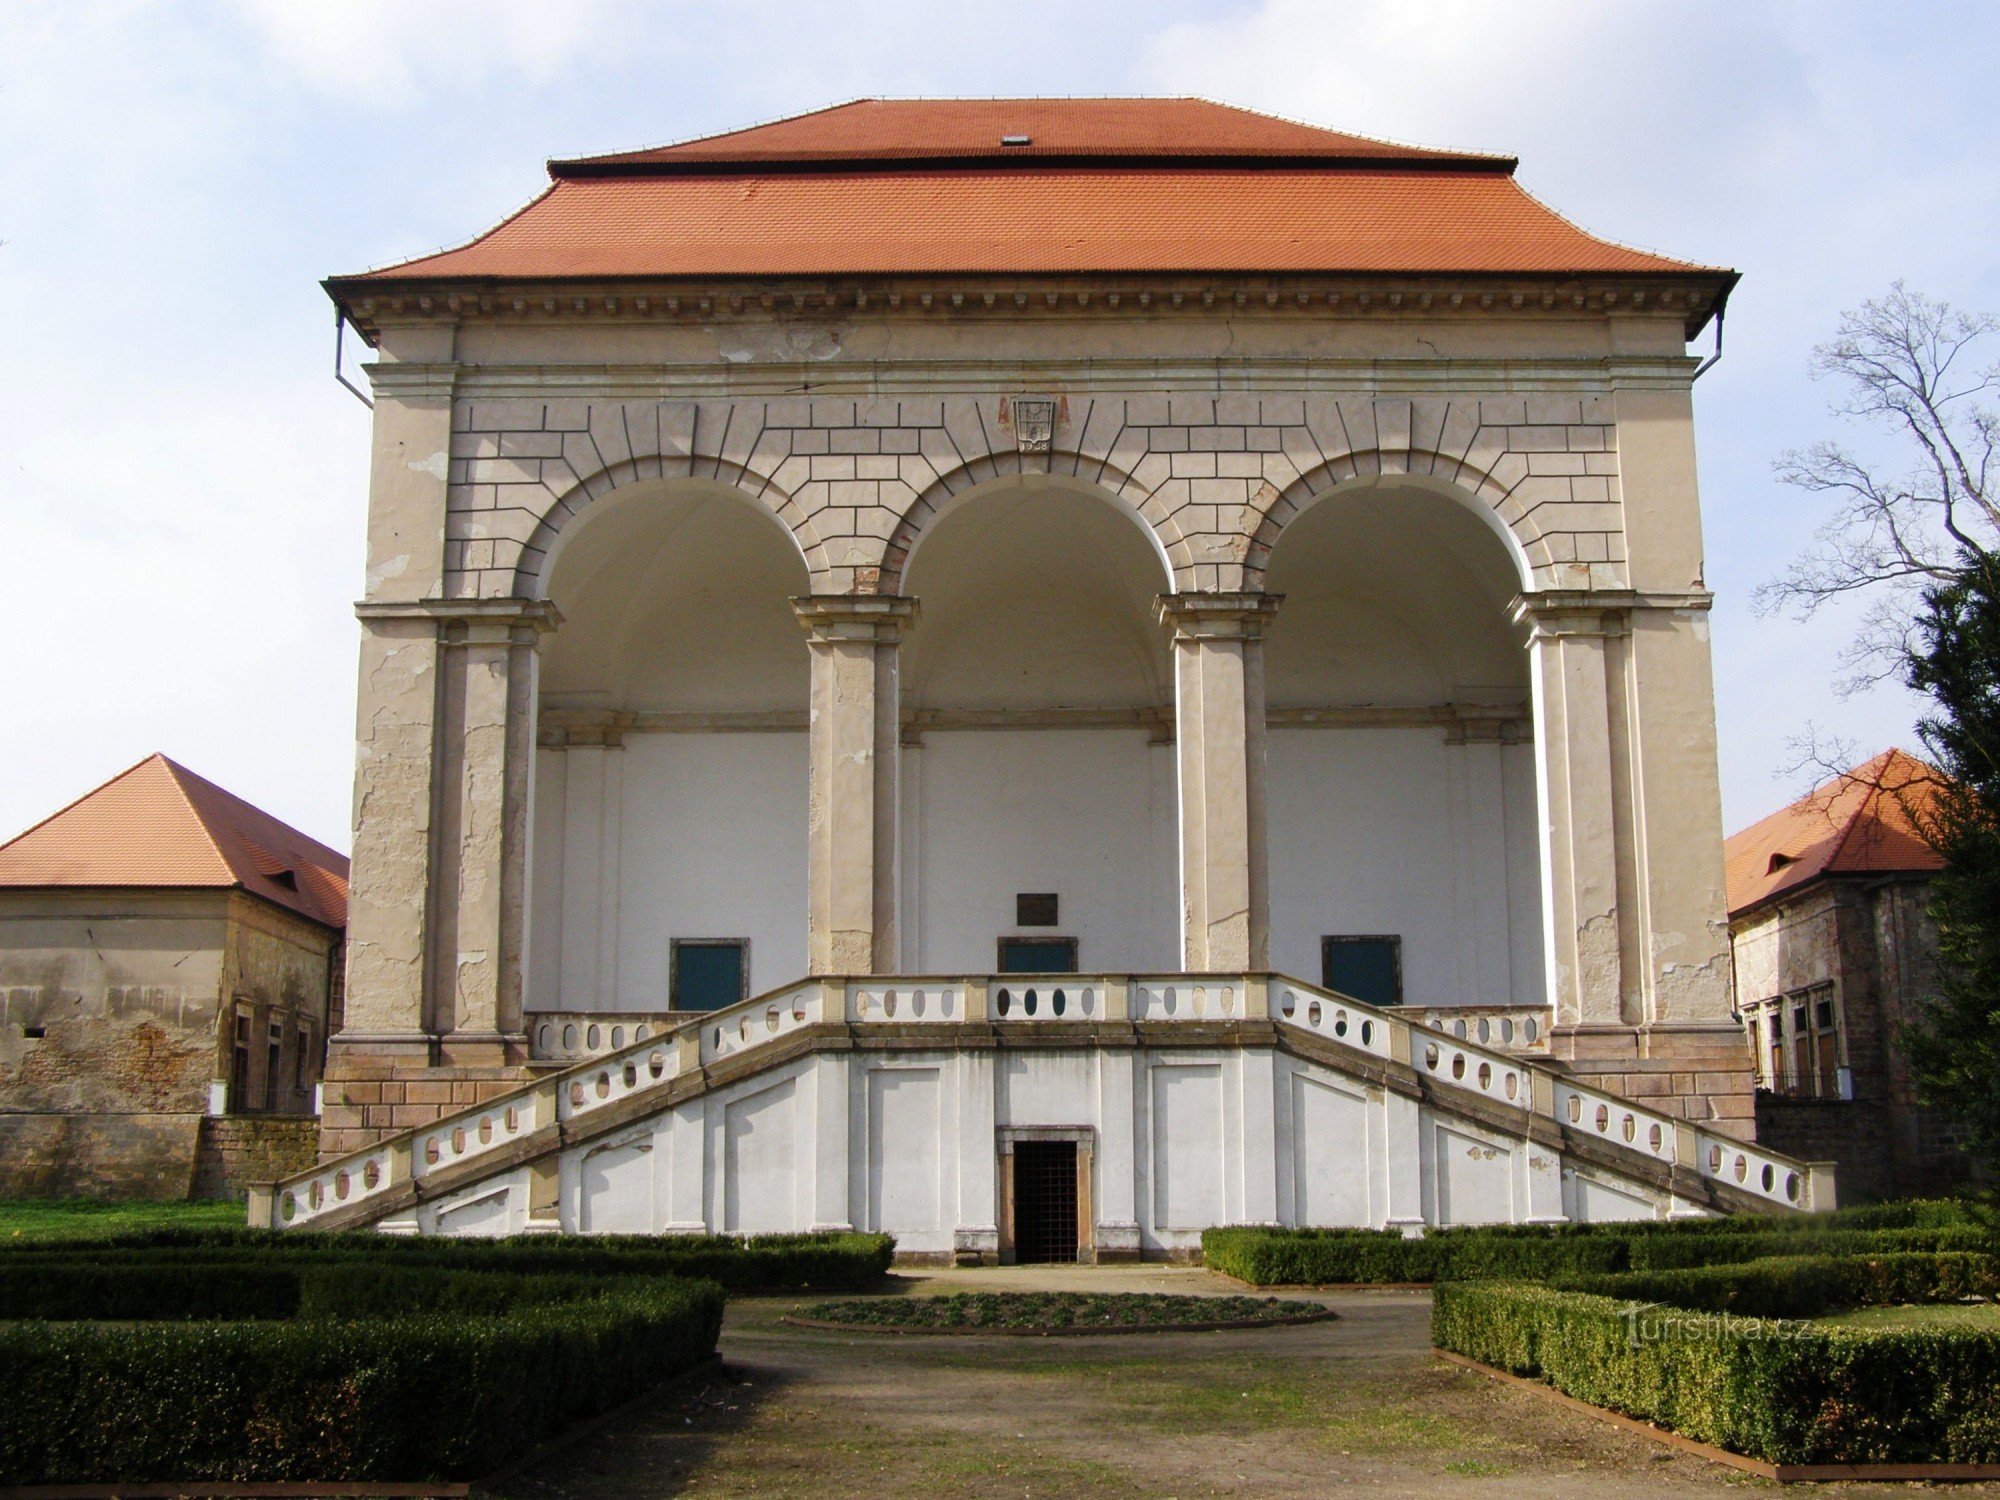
[159,824]
[885,187]
[1856,824]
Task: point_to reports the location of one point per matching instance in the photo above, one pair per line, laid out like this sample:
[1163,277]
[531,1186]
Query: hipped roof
[1856,824]
[160,825]
[917,187]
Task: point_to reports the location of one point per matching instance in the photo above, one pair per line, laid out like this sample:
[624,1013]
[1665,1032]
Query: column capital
[1554,612]
[877,618]
[497,621]
[1217,617]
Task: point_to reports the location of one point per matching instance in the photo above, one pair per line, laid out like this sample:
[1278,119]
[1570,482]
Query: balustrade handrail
[704,1037]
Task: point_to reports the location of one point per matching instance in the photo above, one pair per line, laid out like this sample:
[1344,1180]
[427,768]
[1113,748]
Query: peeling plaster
[438,465]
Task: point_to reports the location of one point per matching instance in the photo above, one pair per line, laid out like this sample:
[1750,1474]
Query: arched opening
[670,782]
[1403,840]
[1038,706]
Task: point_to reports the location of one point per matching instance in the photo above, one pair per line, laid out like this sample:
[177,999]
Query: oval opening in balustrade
[433,1153]
[721,1038]
[594,1038]
[569,1037]
[917,1004]
[743,1027]
[604,1085]
[1485,1030]
[371,1174]
[641,1032]
[1530,1030]
[1513,1085]
[1287,1003]
[799,1007]
[1792,1186]
[1575,1108]
[1603,1118]
[1058,1003]
[486,1130]
[1506,1028]
[1486,1075]
[340,1184]
[1631,1128]
[889,1003]
[1313,1014]
[656,1063]
[1742,1167]
[1653,1137]
[458,1140]
[1714,1161]
[1087,1002]
[617,1037]
[771,1018]
[287,1207]
[1340,1023]
[947,1001]
[631,1075]
[1004,1002]
[315,1195]
[544,1035]
[576,1094]
[1458,1028]
[1228,1001]
[1198,1001]
[512,1120]
[1030,1003]
[1367,1033]
[1768,1176]
[1431,1056]
[1169,1000]
[1458,1065]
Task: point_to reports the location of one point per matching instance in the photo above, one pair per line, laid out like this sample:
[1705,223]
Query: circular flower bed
[1056,1313]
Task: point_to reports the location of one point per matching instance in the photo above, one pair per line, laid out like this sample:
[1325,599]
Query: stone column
[1219,711]
[1571,650]
[851,836]
[490,659]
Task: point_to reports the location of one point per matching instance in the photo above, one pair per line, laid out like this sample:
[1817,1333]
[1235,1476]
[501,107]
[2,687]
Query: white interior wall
[1081,812]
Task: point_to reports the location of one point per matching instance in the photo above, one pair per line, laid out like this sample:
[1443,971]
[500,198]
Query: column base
[1696,1071]
[377,1085]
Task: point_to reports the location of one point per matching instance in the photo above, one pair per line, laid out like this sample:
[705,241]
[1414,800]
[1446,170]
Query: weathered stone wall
[237,1150]
[117,1017]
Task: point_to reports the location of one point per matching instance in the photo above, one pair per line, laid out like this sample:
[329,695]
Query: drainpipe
[339,340]
[1721,311]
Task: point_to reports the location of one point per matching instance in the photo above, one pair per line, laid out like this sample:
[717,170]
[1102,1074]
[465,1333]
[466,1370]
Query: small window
[301,1059]
[1038,955]
[239,1066]
[274,1053]
[709,973]
[1037,909]
[1370,969]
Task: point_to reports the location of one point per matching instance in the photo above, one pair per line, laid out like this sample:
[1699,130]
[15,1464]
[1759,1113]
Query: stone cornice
[855,617]
[1217,617]
[1598,611]
[1345,376]
[1690,296]
[539,615]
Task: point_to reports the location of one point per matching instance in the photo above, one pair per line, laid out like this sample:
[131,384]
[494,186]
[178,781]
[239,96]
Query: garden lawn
[1982,1317]
[79,1218]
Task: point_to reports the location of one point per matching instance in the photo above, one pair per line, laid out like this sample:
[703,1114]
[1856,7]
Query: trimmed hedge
[388,1374]
[1289,1257]
[789,1262]
[1780,1391]
[1805,1286]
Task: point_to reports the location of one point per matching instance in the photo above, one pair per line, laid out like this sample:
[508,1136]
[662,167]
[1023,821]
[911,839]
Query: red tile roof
[1856,824]
[159,824]
[885,187]
[977,129]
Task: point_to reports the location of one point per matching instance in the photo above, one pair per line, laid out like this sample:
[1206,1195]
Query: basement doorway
[1045,1206]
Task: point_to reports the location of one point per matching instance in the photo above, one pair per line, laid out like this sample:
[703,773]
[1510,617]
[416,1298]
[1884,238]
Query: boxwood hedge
[383,1372]
[1785,1392]
[1805,1286]
[1280,1257]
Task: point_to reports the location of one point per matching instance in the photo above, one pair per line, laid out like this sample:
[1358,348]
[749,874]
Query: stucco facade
[1107,617]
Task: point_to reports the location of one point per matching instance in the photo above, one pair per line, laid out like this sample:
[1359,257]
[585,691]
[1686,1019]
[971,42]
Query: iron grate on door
[1045,1229]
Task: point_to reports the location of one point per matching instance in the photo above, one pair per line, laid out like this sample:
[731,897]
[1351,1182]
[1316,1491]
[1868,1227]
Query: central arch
[1038,702]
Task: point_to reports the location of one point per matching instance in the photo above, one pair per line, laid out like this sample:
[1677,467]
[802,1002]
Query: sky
[182,483]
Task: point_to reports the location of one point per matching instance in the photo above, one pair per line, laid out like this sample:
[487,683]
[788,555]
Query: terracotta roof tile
[924,187]
[974,129]
[1034,220]
[159,824]
[1859,823]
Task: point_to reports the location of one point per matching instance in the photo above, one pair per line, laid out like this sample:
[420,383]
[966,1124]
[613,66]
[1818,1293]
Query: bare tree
[1924,373]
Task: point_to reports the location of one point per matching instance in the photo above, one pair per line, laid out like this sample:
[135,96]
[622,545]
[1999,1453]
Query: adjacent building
[1834,946]
[170,970]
